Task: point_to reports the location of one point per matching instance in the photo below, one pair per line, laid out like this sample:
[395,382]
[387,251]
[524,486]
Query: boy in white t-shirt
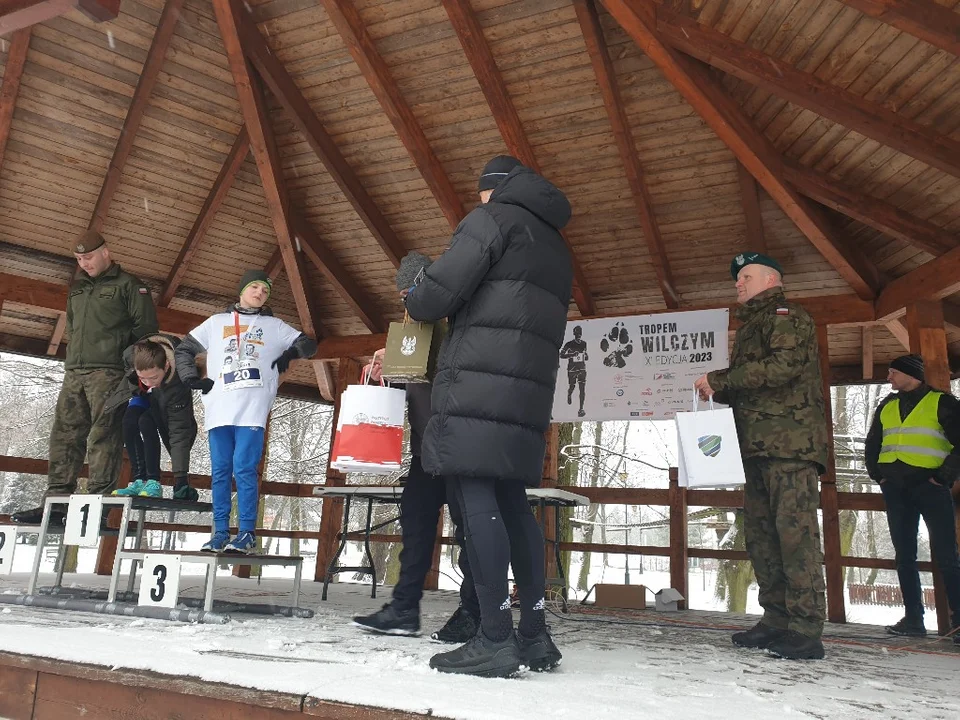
[247,350]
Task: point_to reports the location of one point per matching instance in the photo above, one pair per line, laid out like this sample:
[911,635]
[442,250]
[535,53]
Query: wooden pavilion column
[679,556]
[550,477]
[332,513]
[832,554]
[928,339]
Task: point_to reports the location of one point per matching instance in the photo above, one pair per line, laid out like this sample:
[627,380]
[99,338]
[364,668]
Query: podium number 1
[83,520]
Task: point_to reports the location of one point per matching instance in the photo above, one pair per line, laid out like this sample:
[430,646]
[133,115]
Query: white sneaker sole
[393,631]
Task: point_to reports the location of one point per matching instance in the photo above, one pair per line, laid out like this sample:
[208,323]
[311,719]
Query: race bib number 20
[243,378]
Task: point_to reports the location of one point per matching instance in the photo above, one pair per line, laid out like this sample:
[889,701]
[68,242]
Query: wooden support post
[929,340]
[832,554]
[432,581]
[332,513]
[678,538]
[108,545]
[550,475]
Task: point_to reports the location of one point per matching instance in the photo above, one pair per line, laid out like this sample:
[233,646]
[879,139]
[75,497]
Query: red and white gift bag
[369,436]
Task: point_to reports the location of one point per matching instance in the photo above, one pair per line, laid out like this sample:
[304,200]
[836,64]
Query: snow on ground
[615,666]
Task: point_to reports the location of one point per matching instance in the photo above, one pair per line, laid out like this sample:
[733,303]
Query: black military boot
[908,626]
[459,628]
[481,656]
[389,620]
[34,516]
[538,653]
[759,636]
[794,646]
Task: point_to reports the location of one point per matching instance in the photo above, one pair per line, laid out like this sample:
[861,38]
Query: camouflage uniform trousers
[81,428]
[783,541]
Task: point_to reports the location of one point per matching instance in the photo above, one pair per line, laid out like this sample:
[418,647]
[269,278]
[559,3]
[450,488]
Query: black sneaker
[186,494]
[538,653]
[908,627]
[759,636]
[390,621]
[794,646]
[34,516]
[481,656]
[459,628]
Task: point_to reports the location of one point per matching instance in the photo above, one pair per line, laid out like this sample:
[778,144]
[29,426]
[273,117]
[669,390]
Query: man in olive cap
[913,451]
[108,310]
[775,389]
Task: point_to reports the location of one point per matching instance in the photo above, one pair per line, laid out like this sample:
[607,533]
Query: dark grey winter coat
[505,284]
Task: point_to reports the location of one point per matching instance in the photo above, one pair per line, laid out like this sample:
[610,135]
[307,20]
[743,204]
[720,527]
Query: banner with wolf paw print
[638,367]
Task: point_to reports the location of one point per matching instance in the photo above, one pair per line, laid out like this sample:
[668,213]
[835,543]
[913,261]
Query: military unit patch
[709,445]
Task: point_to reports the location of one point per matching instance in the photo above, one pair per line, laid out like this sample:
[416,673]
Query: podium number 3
[157,593]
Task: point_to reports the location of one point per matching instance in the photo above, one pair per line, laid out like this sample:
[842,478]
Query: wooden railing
[678,499]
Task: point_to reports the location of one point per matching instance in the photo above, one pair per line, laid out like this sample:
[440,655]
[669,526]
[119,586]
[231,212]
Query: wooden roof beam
[607,80]
[141,96]
[870,211]
[231,166]
[750,200]
[926,20]
[275,265]
[264,147]
[53,347]
[347,21]
[755,151]
[19,14]
[12,72]
[802,88]
[287,93]
[933,280]
[478,53]
[335,273]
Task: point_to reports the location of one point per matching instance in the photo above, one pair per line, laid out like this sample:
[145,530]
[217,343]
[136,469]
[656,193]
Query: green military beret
[753,258]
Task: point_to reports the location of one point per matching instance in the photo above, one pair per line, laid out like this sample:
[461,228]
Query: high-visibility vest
[918,440]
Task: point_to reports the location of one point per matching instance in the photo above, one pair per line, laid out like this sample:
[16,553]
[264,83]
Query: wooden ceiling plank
[285,90]
[802,88]
[233,163]
[480,56]
[933,280]
[12,72]
[607,80]
[750,199]
[274,266]
[926,20]
[141,97]
[362,48]
[262,142]
[20,14]
[707,96]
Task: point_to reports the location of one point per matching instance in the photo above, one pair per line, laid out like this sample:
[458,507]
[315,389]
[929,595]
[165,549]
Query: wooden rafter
[933,280]
[803,88]
[231,166]
[347,21]
[899,331]
[19,14]
[257,122]
[480,56]
[871,211]
[924,19]
[866,335]
[141,96]
[325,381]
[287,93]
[274,265]
[706,95]
[53,347]
[750,199]
[335,273]
[12,72]
[607,80]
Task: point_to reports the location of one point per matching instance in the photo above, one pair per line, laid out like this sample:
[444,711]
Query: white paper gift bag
[369,434]
[708,449]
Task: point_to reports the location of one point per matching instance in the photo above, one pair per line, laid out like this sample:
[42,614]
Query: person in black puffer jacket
[505,284]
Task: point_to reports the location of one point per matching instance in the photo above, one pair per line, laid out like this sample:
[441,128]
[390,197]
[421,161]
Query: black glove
[204,385]
[282,363]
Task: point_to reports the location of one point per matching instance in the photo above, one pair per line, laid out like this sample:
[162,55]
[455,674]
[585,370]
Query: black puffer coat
[505,284]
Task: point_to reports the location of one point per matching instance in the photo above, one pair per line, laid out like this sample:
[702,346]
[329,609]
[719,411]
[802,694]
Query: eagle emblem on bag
[408,346]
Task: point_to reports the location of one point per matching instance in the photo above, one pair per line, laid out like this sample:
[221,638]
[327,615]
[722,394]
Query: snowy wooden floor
[616,665]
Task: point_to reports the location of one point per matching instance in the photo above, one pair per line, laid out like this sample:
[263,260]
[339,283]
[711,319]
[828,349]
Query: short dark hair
[148,355]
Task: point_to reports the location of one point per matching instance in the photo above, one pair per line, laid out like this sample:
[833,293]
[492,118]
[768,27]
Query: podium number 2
[8,542]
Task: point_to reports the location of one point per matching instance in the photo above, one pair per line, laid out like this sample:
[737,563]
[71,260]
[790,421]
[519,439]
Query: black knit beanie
[496,170]
[252,276]
[911,365]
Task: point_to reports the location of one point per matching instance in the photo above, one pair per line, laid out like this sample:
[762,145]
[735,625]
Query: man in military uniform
[775,389]
[107,310]
[913,451]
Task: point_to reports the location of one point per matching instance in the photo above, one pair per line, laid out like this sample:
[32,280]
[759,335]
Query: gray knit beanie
[410,267]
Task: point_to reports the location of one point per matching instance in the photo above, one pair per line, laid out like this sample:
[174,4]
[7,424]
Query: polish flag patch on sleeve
[783,311]
[144,291]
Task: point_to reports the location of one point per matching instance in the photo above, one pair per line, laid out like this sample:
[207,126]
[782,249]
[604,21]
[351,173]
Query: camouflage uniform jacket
[106,314]
[774,383]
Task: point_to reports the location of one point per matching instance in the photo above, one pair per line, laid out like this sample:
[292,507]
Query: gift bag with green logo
[412,349]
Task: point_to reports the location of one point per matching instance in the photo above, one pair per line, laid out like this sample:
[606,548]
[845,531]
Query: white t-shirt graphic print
[262,340]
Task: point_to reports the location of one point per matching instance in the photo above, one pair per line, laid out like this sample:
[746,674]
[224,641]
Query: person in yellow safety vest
[913,451]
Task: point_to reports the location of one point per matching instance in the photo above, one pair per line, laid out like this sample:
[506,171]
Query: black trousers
[142,437]
[423,498]
[500,531]
[907,501]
